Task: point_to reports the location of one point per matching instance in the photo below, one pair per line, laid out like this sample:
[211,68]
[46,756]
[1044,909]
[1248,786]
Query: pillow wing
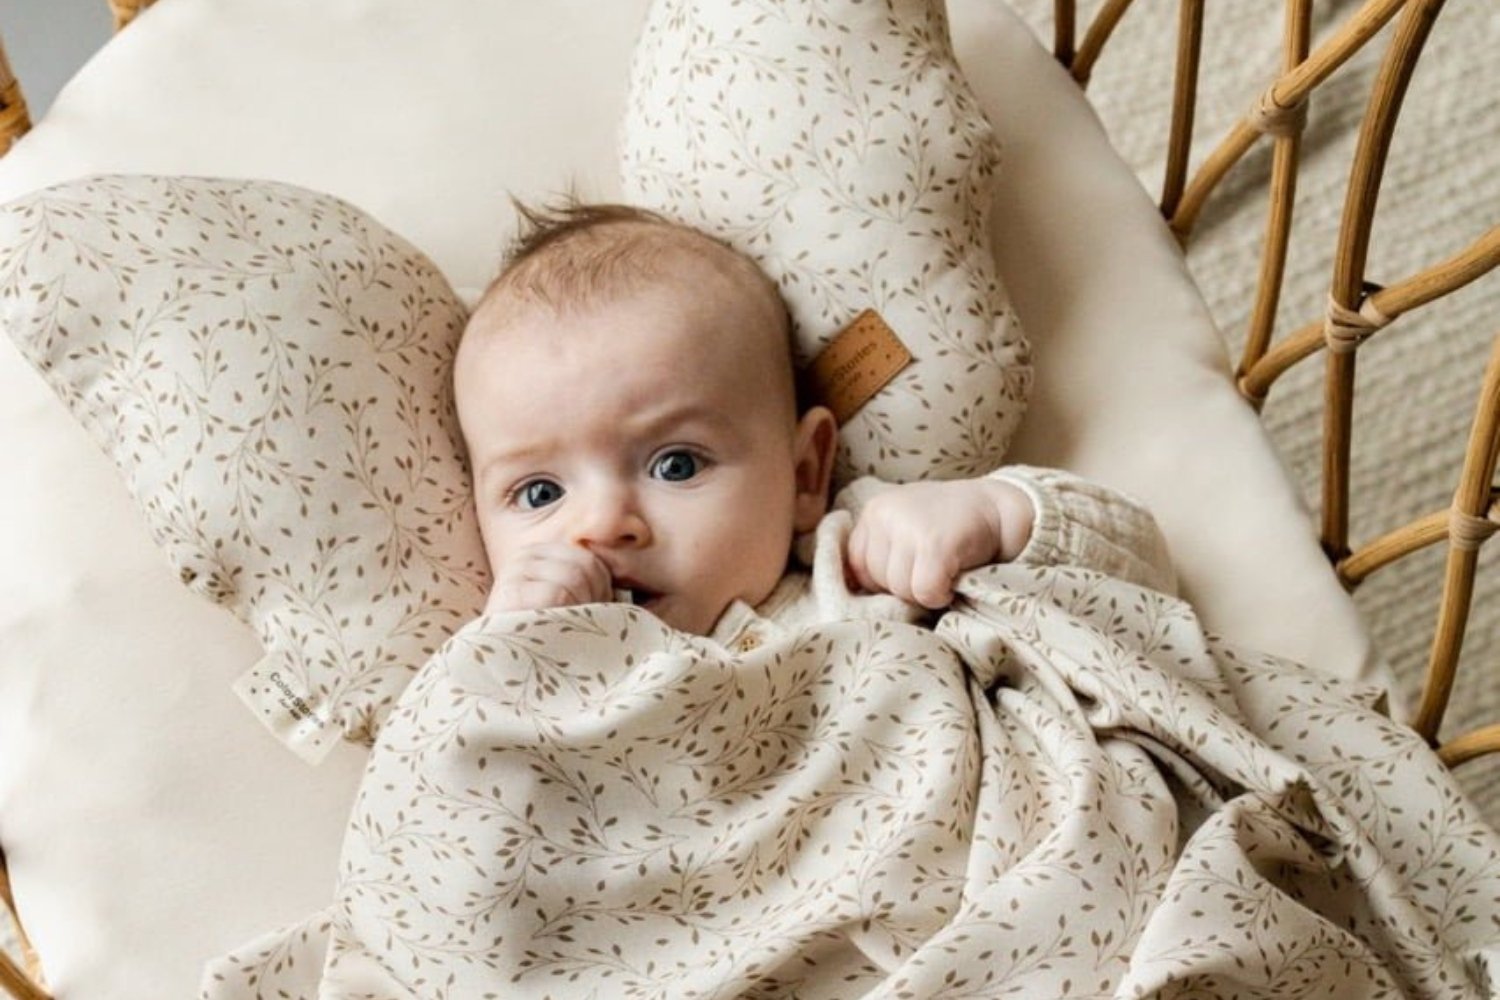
[270,370]
[839,145]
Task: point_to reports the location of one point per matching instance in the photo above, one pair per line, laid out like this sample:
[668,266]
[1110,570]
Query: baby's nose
[613,521]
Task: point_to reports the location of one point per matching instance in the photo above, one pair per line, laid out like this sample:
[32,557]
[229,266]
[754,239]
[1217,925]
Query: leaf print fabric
[1064,789]
[269,368]
[837,143]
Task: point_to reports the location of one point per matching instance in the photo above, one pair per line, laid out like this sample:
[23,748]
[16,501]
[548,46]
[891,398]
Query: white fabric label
[280,701]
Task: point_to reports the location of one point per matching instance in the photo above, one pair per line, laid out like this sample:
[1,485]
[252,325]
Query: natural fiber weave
[1345,329]
[1274,118]
[1468,531]
[1418,381]
[14,120]
[126,11]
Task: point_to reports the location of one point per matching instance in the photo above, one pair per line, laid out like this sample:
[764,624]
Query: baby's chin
[682,619]
[694,617]
[692,620]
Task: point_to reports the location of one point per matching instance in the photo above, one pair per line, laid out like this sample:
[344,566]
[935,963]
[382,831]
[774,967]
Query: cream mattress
[149,821]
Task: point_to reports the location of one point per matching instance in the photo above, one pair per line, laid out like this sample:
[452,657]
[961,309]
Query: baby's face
[655,430]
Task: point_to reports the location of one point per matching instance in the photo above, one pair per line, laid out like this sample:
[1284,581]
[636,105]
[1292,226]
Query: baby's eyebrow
[650,424]
[723,429]
[690,413]
[514,456]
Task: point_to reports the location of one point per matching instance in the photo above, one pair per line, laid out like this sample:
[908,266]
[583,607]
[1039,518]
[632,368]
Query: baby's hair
[572,253]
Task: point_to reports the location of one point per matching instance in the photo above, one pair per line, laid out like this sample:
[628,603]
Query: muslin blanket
[1063,789]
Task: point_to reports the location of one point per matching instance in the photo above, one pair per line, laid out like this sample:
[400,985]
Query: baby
[626,391]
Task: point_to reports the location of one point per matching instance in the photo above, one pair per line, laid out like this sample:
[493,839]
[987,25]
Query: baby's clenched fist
[549,575]
[914,539]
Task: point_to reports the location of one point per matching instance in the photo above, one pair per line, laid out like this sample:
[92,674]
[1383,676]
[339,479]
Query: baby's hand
[549,575]
[914,539]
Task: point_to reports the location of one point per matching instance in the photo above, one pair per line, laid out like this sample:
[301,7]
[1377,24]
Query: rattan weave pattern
[1419,379]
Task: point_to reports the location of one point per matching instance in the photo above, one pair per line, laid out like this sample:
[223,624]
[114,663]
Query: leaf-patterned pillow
[270,369]
[838,143]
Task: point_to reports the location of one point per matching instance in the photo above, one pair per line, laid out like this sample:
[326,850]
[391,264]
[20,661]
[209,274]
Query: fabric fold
[1064,787]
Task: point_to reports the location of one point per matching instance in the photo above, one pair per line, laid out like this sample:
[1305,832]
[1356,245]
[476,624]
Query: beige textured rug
[1419,379]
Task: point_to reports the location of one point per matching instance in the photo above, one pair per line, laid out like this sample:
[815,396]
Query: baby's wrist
[1015,515]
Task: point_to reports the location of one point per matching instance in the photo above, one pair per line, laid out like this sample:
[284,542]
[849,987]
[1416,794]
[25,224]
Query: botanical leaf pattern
[1064,789]
[837,142]
[269,368]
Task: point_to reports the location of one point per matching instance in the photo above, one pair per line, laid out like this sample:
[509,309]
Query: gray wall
[47,40]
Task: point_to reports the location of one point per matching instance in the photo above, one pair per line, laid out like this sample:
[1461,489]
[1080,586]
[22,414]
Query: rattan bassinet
[1355,310]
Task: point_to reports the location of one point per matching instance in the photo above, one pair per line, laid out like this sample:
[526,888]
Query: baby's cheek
[493,537]
[768,555]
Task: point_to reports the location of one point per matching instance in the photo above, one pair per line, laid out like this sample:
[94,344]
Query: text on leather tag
[856,364]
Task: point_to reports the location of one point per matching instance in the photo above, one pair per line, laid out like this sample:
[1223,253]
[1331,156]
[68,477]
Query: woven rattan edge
[126,11]
[17,984]
[22,984]
[1356,308]
[15,120]
[1470,746]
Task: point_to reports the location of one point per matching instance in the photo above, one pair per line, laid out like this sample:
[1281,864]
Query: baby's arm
[1083,523]
[1072,522]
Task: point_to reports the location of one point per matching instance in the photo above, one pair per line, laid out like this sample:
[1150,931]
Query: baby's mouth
[630,592]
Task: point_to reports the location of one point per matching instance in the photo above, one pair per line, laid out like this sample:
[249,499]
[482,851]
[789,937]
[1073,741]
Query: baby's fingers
[529,595]
[897,575]
[578,574]
[550,577]
[866,550]
[932,579]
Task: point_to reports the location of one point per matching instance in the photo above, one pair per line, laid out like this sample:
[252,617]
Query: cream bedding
[1065,788]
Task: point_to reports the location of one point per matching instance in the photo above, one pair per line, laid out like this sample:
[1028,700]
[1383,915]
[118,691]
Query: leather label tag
[856,364]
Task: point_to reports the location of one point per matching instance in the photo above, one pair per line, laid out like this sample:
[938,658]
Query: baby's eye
[536,494]
[676,466]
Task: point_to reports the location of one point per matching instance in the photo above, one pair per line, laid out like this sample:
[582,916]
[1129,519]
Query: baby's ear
[817,439]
